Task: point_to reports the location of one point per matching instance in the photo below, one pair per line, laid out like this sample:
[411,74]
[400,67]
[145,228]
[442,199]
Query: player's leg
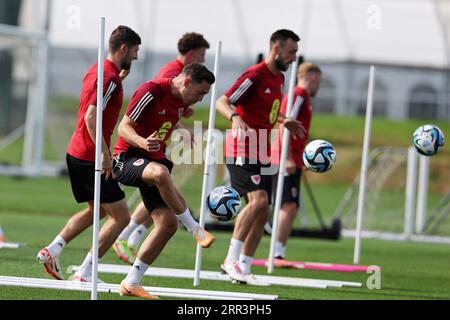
[81,175]
[249,227]
[134,240]
[78,223]
[288,213]
[118,219]
[166,225]
[247,233]
[159,175]
[122,247]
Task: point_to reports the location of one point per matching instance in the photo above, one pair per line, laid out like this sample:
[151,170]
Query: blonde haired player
[308,84]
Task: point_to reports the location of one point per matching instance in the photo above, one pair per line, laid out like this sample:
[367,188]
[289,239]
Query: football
[428,139]
[223,203]
[319,156]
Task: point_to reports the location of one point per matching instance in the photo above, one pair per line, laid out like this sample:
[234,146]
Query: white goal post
[30,55]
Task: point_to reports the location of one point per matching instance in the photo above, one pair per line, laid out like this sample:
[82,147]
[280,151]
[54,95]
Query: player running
[192,48]
[139,161]
[308,84]
[257,95]
[123,49]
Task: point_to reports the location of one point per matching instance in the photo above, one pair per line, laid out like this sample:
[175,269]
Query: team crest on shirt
[138,162]
[256,179]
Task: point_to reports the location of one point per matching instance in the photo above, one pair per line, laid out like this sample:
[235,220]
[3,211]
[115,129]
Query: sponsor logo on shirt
[256,179]
[162,112]
[267,91]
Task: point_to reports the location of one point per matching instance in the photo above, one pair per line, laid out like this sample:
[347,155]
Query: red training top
[81,145]
[170,70]
[153,108]
[302,111]
[257,96]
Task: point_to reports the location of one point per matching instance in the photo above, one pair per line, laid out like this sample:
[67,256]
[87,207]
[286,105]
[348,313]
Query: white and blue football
[223,203]
[428,139]
[319,156]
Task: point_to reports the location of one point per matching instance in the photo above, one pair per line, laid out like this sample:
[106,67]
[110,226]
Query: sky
[390,31]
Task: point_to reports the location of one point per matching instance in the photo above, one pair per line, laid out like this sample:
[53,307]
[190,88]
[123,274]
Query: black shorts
[247,177]
[291,187]
[82,179]
[129,166]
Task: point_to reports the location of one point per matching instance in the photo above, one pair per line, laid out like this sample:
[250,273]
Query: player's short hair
[307,67]
[282,36]
[199,73]
[123,35]
[191,41]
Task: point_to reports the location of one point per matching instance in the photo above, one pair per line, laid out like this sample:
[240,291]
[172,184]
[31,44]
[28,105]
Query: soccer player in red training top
[308,84]
[155,107]
[123,48]
[257,96]
[191,48]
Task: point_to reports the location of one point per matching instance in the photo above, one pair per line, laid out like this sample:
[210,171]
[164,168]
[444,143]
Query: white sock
[136,236]
[85,269]
[245,262]
[188,221]
[280,249]
[234,250]
[128,230]
[136,273]
[56,246]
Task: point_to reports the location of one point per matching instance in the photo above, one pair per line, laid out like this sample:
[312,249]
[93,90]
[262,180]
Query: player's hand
[107,167]
[188,112]
[295,127]
[290,166]
[124,73]
[238,127]
[153,142]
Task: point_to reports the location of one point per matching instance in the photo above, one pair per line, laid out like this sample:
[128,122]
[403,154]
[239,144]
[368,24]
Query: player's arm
[293,125]
[238,125]
[127,131]
[239,92]
[90,119]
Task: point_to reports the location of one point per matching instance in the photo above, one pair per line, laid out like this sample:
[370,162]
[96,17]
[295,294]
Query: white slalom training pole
[363,175]
[280,183]
[98,150]
[411,181]
[422,191]
[207,169]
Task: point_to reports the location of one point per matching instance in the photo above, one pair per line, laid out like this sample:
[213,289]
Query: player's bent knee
[261,205]
[156,174]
